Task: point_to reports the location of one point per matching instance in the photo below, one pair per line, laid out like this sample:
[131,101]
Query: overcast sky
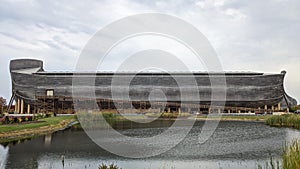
[261,36]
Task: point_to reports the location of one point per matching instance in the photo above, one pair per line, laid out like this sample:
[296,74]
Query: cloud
[255,35]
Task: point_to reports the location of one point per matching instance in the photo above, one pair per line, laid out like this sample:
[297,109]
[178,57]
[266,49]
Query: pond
[233,145]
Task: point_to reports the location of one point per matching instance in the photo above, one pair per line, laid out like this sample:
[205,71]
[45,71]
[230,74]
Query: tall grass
[287,120]
[291,156]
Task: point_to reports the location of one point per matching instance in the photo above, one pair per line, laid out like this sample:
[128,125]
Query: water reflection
[3,156]
[233,145]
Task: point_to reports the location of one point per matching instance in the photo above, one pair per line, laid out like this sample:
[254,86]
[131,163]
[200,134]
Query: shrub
[19,119]
[10,120]
[111,166]
[287,120]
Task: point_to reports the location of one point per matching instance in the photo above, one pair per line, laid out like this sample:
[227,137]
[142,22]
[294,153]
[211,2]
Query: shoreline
[22,134]
[235,118]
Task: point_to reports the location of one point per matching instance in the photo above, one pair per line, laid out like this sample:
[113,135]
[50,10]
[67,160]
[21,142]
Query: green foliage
[111,166]
[40,116]
[290,158]
[291,155]
[19,119]
[96,120]
[40,123]
[109,115]
[169,115]
[286,120]
[295,108]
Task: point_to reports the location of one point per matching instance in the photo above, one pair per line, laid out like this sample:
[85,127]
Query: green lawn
[41,123]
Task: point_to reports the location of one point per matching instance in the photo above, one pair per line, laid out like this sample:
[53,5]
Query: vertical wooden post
[18,106]
[169,110]
[279,107]
[22,106]
[62,106]
[179,110]
[28,109]
[266,107]
[272,108]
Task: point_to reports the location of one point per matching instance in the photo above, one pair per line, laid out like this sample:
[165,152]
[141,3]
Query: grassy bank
[166,115]
[287,120]
[12,132]
[235,118]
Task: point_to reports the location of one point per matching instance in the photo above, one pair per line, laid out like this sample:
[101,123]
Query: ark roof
[147,73]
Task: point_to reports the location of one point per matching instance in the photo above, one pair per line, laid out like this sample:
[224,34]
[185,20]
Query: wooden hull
[29,80]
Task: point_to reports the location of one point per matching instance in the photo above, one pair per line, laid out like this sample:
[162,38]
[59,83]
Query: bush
[10,120]
[287,120]
[111,166]
[19,119]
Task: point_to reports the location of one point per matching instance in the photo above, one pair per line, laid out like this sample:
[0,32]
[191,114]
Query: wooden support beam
[28,109]
[18,106]
[22,106]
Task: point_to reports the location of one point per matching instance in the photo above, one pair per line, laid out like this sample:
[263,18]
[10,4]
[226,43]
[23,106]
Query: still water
[234,145]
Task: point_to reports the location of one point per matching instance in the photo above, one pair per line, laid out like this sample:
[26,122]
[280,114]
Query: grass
[270,165]
[286,120]
[169,115]
[39,123]
[291,154]
[237,117]
[290,158]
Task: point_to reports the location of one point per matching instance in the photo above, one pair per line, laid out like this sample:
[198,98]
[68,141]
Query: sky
[260,36]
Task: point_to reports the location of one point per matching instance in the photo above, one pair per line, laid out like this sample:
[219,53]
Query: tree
[2,104]
[296,108]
